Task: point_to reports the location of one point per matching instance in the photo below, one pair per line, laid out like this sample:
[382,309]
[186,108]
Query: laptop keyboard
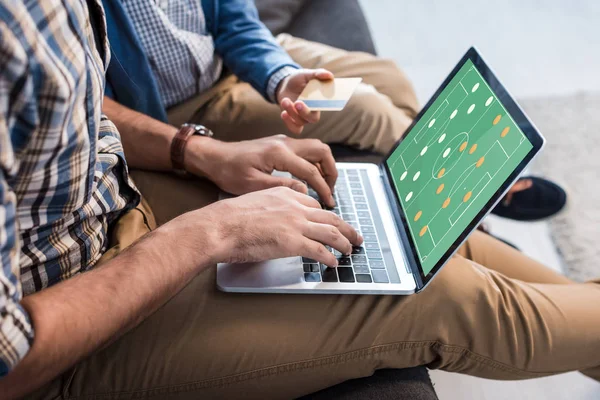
[366,264]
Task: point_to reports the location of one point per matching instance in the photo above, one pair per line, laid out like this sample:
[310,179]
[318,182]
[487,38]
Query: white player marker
[470,110]
[409,196]
[447,152]
[475,88]
[453,114]
[424,150]
[441,139]
[489,101]
[417,175]
[403,175]
[431,123]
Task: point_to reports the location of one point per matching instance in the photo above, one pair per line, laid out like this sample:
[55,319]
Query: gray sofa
[341,23]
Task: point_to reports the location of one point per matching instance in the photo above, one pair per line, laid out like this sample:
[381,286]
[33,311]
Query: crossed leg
[378,113]
[471,319]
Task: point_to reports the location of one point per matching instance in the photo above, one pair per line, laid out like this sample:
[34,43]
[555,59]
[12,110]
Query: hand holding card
[331,95]
[295,114]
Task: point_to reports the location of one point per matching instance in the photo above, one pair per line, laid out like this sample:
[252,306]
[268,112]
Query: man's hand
[243,167]
[295,113]
[277,223]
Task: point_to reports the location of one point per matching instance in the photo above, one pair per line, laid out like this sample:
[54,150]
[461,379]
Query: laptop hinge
[402,232]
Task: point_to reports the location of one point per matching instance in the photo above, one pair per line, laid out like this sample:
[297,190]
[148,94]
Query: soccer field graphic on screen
[453,161]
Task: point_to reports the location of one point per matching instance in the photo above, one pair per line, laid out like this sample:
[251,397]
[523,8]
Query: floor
[537,49]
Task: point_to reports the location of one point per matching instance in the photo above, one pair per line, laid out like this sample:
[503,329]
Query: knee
[378,123]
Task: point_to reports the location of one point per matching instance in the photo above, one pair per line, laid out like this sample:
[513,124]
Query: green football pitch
[453,161]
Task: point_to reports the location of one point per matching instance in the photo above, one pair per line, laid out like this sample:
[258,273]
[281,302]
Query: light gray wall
[536,47]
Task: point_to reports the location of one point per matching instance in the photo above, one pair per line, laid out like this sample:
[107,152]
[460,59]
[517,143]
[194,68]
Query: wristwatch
[180,141]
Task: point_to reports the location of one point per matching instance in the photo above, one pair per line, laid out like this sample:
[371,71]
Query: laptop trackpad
[273,273]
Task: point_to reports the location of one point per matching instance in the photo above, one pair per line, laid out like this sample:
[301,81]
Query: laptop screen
[452,162]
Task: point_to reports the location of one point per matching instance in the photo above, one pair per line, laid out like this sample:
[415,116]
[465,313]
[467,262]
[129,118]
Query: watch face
[199,129]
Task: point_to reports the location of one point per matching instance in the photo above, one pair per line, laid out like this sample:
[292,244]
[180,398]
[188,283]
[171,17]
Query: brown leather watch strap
[178,146]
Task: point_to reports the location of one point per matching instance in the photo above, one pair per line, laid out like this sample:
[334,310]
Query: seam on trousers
[144,217]
[313,363]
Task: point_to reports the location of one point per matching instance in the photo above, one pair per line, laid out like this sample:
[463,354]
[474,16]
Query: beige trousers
[376,116]
[491,312]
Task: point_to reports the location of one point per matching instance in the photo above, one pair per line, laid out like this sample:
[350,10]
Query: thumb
[320,74]
[323,75]
[270,181]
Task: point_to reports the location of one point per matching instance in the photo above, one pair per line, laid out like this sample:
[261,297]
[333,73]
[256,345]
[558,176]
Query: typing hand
[295,114]
[277,223]
[243,167]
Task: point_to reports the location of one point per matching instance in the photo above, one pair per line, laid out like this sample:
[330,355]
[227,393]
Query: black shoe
[542,200]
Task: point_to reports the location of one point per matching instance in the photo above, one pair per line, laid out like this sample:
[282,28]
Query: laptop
[455,162]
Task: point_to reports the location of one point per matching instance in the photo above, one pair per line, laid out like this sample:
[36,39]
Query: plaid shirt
[181,52]
[63,177]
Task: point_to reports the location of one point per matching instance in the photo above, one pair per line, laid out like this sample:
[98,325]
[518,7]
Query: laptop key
[355,185]
[359,259]
[362,206]
[344,261]
[314,267]
[377,264]
[363,214]
[356,192]
[367,229]
[361,268]
[307,260]
[363,278]
[371,246]
[346,210]
[358,250]
[329,274]
[360,199]
[353,179]
[380,276]
[345,274]
[365,221]
[374,254]
[312,277]
[348,217]
[351,172]
[370,238]
[306,267]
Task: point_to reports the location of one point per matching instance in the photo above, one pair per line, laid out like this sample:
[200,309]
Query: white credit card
[332,95]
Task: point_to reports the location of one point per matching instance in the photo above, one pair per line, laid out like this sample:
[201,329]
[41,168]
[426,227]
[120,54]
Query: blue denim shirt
[240,38]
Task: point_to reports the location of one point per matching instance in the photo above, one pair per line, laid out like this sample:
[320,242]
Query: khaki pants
[491,312]
[376,116]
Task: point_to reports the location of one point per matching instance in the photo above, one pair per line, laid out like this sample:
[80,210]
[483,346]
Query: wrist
[201,155]
[195,238]
[276,82]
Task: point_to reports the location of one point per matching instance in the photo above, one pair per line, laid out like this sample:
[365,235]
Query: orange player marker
[446,203]
[505,131]
[418,215]
[467,196]
[497,119]
[423,230]
[473,148]
[439,189]
[479,162]
[442,172]
[462,147]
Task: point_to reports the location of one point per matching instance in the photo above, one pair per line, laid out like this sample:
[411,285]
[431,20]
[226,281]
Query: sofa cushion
[277,15]
[337,23]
